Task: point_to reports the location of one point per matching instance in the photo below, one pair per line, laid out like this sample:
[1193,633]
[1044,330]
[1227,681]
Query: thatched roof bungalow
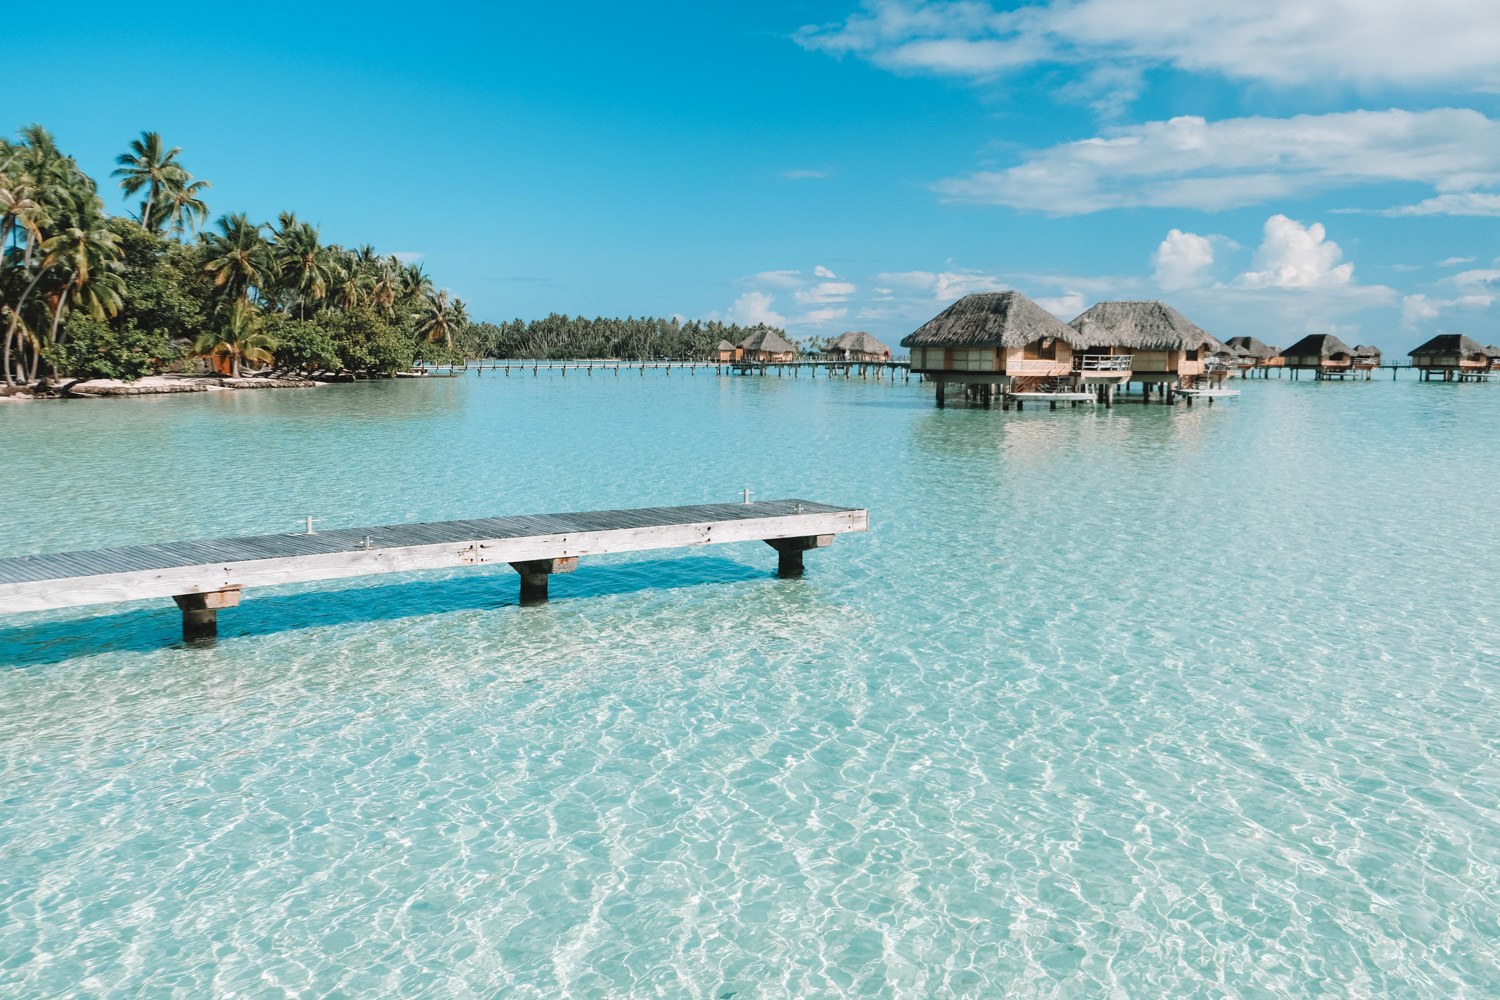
[1319,352]
[727,351]
[1254,353]
[992,337]
[1163,345]
[1451,354]
[856,345]
[1493,351]
[1366,356]
[767,346]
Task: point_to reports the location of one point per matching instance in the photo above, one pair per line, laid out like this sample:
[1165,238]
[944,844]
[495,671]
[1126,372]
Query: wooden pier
[878,370]
[206,576]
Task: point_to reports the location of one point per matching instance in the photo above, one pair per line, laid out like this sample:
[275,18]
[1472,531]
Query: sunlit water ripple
[1148,702]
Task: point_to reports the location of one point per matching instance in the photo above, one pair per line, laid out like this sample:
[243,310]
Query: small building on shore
[1321,353]
[1250,354]
[1453,357]
[856,345]
[1367,358]
[726,351]
[992,340]
[1165,348]
[766,346]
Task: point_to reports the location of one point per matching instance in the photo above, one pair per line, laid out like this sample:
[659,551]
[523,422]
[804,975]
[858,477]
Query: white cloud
[755,307]
[823,272]
[1454,261]
[1286,43]
[408,256]
[1483,278]
[820,317]
[1292,255]
[824,291]
[945,286]
[1415,309]
[1182,260]
[1190,162]
[778,279]
[1456,203]
[1064,306]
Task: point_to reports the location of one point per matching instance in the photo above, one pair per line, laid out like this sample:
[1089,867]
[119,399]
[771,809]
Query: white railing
[1102,362]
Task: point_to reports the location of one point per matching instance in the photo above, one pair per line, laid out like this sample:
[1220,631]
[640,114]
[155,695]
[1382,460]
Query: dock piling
[536,572]
[200,613]
[789,552]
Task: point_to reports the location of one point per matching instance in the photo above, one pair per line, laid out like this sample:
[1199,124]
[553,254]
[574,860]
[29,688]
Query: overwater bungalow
[1323,354]
[1251,354]
[1166,350]
[727,351]
[1494,354]
[1366,359]
[1452,356]
[856,345]
[767,347]
[995,339]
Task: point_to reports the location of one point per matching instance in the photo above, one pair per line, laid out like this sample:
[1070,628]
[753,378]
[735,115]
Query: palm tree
[303,267]
[88,263]
[238,258]
[243,339]
[186,209]
[437,318]
[149,165]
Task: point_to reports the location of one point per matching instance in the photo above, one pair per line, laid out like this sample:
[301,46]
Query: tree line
[84,294]
[559,337]
[87,295]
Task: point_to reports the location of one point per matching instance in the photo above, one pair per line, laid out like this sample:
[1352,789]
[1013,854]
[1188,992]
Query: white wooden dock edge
[43,595]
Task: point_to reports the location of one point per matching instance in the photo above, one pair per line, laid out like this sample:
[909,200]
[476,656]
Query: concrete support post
[789,552]
[200,613]
[536,572]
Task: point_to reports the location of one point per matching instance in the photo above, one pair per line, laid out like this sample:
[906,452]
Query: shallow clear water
[1137,703]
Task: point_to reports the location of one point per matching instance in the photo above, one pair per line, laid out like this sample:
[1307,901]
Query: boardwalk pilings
[789,552]
[536,572]
[200,612]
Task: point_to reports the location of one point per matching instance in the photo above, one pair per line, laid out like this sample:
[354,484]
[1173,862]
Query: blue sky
[1271,168]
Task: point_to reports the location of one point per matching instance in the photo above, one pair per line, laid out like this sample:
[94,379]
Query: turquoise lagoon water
[1138,703]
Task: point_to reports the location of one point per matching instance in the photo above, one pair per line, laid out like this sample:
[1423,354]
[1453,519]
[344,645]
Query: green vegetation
[85,295]
[559,337]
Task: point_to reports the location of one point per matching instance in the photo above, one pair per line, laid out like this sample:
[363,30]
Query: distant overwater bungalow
[1323,354]
[1367,358]
[856,345]
[1493,351]
[1453,357]
[1167,351]
[995,340]
[1251,354]
[767,347]
[726,352]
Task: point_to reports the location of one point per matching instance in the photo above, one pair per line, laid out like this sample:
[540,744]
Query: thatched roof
[724,345]
[768,340]
[1367,351]
[1450,343]
[1249,347]
[1492,352]
[1318,345]
[858,342]
[1141,326]
[990,319]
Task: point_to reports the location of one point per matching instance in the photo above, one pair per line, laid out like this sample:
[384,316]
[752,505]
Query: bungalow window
[1040,350]
[1193,354]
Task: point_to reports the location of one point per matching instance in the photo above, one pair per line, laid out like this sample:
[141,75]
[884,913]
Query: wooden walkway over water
[834,369]
[206,576]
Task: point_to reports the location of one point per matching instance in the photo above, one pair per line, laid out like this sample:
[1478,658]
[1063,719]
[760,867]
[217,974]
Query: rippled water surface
[1138,703]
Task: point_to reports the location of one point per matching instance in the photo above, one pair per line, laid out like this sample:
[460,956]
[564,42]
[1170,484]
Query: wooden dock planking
[202,575]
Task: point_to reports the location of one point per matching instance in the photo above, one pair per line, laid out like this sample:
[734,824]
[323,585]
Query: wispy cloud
[1284,43]
[806,175]
[408,256]
[1190,162]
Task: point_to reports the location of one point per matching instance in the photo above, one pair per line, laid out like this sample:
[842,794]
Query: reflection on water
[1147,701]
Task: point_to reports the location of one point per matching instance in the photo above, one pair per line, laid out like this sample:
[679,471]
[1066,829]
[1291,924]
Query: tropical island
[85,295]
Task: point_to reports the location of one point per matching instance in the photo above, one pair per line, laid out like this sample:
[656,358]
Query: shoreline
[151,385]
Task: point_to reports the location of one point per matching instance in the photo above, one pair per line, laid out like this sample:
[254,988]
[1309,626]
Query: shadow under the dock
[147,628]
